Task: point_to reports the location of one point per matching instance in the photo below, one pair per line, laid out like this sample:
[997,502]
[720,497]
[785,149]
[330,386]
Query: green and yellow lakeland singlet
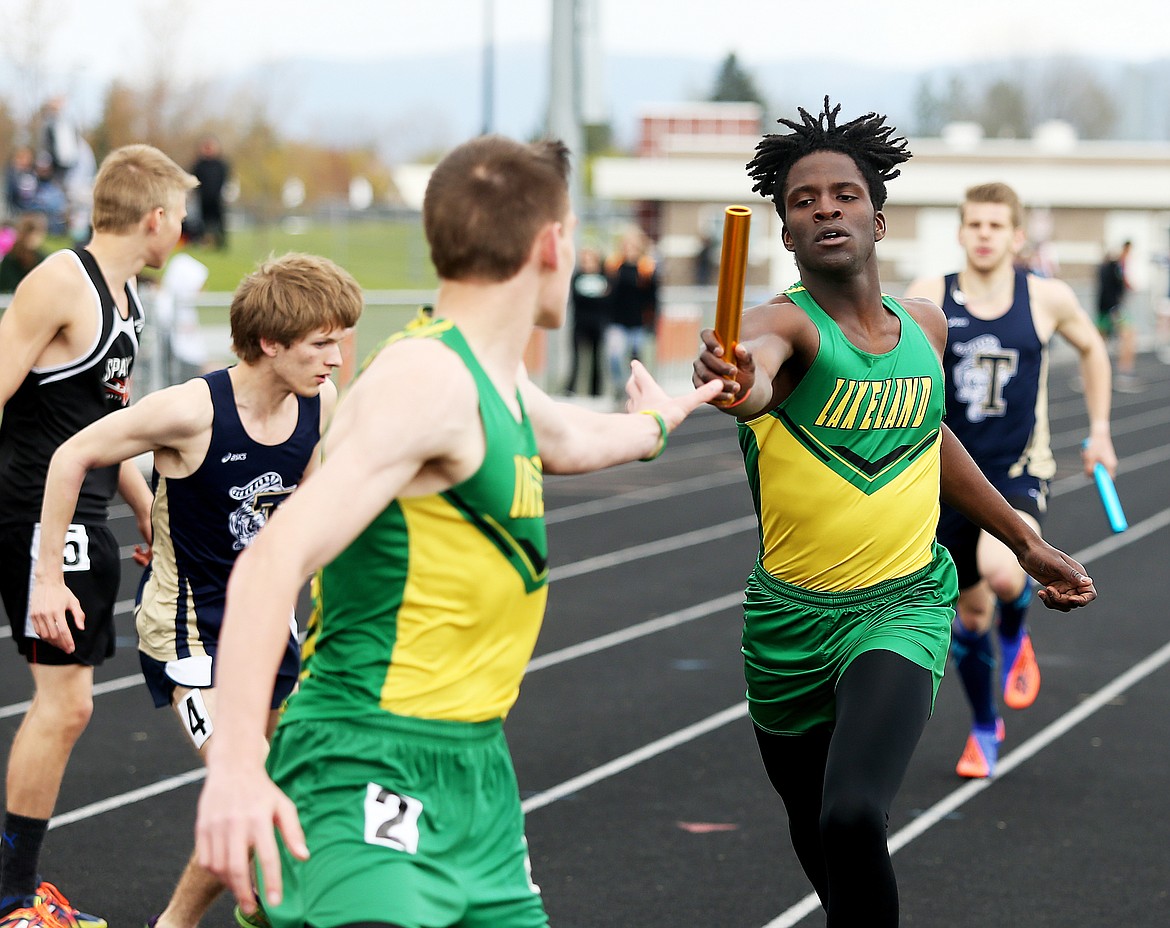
[434,609]
[845,472]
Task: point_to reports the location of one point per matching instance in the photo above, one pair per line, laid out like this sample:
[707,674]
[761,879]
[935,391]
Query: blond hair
[132,181]
[995,192]
[287,298]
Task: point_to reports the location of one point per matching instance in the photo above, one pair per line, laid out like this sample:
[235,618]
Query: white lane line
[649,627]
[959,797]
[644,495]
[653,548]
[1124,426]
[569,570]
[1024,752]
[126,799]
[626,761]
[99,689]
[548,660]
[1134,533]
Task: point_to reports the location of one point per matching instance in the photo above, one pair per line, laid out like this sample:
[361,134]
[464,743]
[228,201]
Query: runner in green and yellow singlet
[424,527]
[837,389]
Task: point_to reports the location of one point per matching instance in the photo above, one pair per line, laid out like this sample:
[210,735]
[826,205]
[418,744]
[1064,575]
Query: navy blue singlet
[996,385]
[202,522]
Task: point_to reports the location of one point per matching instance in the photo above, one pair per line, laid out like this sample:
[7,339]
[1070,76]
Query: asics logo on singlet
[234,456]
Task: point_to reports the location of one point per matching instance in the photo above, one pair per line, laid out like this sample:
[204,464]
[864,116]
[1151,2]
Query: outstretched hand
[737,375]
[1064,586]
[643,392]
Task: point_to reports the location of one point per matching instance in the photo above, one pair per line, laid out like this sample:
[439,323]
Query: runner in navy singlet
[229,447]
[1000,320]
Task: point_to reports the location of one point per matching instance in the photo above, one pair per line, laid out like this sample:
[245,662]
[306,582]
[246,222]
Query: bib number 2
[391,819]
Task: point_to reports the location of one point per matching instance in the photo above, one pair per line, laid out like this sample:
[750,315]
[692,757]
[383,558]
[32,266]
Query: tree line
[1008,99]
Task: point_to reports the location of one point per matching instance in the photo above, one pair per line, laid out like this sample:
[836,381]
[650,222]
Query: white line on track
[643,495]
[636,497]
[809,903]
[99,689]
[1135,423]
[653,548]
[1106,694]
[576,569]
[626,761]
[649,627]
[1009,762]
[126,799]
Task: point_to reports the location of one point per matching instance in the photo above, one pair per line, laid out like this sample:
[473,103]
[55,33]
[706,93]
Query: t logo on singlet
[982,375]
[257,501]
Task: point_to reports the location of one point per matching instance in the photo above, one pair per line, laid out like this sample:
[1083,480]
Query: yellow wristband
[663,431]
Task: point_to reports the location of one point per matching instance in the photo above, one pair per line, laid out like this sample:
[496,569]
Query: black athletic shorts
[959,536]
[92,571]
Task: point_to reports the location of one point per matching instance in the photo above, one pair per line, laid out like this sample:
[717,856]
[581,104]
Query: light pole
[489,66]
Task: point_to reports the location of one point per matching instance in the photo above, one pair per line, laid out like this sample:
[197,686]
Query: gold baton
[732,270]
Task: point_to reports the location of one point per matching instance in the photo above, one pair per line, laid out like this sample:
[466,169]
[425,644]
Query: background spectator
[26,253]
[212,170]
[21,180]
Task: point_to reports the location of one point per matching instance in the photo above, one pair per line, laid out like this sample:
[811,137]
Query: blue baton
[1108,492]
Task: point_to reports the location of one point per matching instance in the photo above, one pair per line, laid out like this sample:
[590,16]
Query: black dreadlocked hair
[865,139]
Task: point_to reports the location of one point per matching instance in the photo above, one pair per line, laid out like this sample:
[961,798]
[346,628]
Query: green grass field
[381,255]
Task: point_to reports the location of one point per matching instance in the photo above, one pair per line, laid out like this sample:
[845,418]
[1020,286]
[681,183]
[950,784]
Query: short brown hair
[996,193]
[486,201]
[286,298]
[131,182]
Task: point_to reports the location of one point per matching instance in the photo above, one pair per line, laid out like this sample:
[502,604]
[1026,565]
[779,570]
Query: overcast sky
[87,39]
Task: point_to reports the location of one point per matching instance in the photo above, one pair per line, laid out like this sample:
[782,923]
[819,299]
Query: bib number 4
[196,719]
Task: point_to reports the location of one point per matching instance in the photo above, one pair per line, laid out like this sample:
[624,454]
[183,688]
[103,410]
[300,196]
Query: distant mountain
[413,106]
[407,106]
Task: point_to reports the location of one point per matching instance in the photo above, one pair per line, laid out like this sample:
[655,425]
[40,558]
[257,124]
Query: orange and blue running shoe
[64,911]
[981,752]
[35,914]
[1021,683]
